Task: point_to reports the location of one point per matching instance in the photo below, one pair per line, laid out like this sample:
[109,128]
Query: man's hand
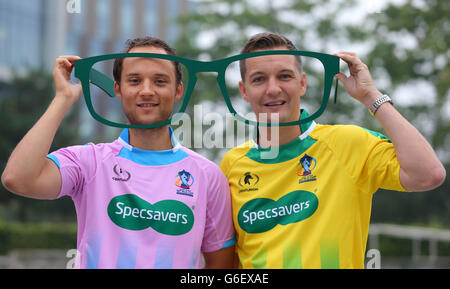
[420,169]
[28,171]
[64,87]
[359,84]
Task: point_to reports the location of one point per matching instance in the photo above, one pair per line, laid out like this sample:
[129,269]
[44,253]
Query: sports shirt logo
[167,217]
[121,175]
[308,164]
[261,215]
[248,181]
[184,181]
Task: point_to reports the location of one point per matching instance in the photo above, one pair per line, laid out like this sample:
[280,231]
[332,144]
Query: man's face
[274,84]
[148,87]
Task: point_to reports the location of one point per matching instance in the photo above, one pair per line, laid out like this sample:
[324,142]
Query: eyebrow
[157,74]
[132,74]
[260,72]
[255,73]
[287,70]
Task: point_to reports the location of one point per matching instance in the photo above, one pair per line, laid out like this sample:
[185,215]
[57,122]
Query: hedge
[14,235]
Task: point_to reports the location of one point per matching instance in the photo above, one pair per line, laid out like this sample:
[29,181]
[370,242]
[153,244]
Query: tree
[410,47]
[220,28]
[217,29]
[22,103]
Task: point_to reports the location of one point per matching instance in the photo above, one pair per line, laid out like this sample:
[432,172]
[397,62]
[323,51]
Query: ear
[117,89]
[243,91]
[179,92]
[303,84]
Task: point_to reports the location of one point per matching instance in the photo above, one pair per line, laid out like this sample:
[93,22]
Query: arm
[29,172]
[420,169]
[220,259]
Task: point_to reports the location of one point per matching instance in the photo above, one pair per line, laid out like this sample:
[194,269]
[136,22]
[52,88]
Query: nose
[273,87]
[147,88]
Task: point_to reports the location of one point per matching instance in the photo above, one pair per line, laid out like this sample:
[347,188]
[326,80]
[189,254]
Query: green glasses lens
[148,90]
[271,88]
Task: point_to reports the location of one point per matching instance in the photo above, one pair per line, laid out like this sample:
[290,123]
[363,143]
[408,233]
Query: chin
[281,117]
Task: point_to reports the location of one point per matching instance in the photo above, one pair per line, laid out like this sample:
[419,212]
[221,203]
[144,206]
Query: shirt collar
[149,157]
[124,139]
[306,128]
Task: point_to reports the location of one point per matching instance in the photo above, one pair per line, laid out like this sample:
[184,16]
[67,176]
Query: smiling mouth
[278,103]
[148,104]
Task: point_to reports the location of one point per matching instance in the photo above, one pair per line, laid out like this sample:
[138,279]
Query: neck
[277,135]
[155,139]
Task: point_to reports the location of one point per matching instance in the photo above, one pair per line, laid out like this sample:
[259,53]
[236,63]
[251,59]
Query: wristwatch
[378,102]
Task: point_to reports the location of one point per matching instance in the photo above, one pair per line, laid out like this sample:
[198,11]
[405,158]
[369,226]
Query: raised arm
[420,169]
[29,172]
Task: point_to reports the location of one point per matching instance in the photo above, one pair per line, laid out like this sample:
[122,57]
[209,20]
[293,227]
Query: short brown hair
[145,41]
[266,41]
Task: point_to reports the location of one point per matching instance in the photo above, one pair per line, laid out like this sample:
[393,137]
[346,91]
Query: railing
[417,236]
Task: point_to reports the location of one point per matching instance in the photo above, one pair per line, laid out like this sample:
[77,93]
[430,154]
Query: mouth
[147,105]
[275,104]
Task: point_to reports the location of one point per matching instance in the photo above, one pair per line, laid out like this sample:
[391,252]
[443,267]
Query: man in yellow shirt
[310,206]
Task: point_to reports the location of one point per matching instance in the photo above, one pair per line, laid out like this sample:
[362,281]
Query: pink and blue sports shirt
[145,209]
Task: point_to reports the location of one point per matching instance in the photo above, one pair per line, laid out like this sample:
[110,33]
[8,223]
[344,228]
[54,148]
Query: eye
[161,81]
[134,81]
[286,76]
[257,79]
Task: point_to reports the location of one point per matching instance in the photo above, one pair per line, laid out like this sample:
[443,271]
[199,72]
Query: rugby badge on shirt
[184,181]
[307,165]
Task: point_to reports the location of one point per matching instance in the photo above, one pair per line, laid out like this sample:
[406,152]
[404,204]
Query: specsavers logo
[168,217]
[261,215]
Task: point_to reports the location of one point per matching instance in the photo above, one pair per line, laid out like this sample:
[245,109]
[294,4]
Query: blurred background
[404,43]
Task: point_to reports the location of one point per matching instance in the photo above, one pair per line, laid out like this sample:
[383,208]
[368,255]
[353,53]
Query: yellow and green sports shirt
[310,206]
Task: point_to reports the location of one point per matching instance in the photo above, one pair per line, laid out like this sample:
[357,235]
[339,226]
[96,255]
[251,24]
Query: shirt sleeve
[219,229]
[370,159]
[74,163]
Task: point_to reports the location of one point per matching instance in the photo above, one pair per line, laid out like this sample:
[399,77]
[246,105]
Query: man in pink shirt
[142,201]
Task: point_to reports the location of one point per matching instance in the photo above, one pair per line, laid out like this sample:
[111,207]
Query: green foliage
[220,28]
[412,44]
[22,102]
[15,235]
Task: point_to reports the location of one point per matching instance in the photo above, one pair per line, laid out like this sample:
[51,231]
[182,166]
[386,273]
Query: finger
[64,67]
[349,57]
[71,58]
[347,52]
[342,78]
[63,62]
[354,63]
[68,61]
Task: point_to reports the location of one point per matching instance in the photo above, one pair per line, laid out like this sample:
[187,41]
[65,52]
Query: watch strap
[378,102]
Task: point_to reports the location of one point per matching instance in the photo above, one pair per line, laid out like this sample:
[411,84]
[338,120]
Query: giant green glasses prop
[227,71]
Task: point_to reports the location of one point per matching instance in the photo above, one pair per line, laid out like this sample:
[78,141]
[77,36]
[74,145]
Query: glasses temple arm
[102,81]
[336,91]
